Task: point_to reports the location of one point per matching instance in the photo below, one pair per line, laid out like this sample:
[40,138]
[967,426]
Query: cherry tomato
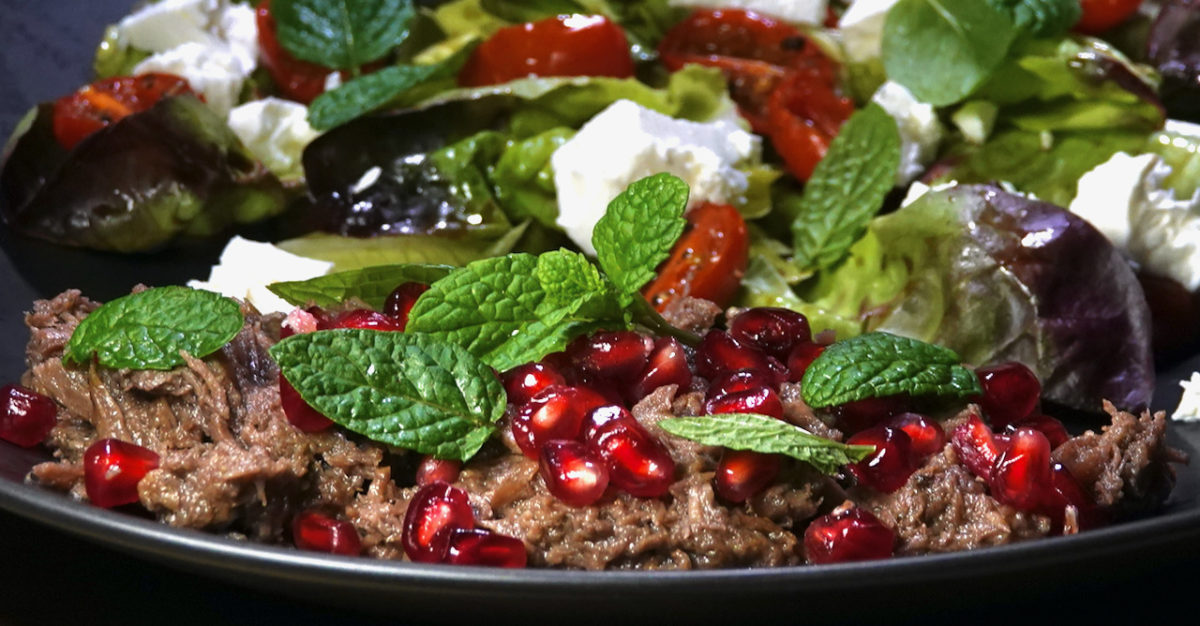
[298,80]
[1101,15]
[566,45]
[754,52]
[707,262]
[105,101]
[804,114]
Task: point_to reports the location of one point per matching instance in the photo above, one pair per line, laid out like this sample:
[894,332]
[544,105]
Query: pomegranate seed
[524,381]
[975,446]
[849,535]
[773,330]
[573,473]
[734,382]
[801,357]
[324,318]
[1010,392]
[1050,427]
[888,468]
[298,322]
[863,414]
[1065,491]
[556,412]
[718,353]
[298,412]
[667,365]
[112,469]
[1022,472]
[367,319]
[433,513]
[619,355]
[602,415]
[432,470]
[312,530]
[637,462]
[401,301]
[762,400]
[743,473]
[479,546]
[926,434]
[26,417]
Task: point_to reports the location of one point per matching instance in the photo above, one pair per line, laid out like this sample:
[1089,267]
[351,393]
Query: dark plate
[45,55]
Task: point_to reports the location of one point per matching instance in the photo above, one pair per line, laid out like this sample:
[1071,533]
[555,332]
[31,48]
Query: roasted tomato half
[105,101]
[566,45]
[707,262]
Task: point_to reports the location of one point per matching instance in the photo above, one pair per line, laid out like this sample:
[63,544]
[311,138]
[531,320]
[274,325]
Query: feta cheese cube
[626,142]
[276,131]
[861,28]
[798,11]
[1189,403]
[246,268]
[920,130]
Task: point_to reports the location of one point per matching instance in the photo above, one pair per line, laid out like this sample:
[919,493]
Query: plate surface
[47,54]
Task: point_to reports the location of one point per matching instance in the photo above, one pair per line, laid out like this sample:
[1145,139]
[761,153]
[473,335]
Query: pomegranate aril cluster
[439,527]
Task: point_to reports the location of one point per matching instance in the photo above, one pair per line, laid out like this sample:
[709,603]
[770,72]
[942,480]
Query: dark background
[50,577]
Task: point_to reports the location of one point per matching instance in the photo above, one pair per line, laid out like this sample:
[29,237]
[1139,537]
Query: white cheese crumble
[920,130]
[246,268]
[797,11]
[1124,199]
[211,43]
[861,28]
[1189,403]
[625,142]
[276,132]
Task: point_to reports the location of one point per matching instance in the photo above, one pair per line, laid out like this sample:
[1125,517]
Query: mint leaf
[847,188]
[405,390]
[573,287]
[1041,18]
[376,90]
[341,34]
[882,364]
[371,284]
[943,50]
[760,433]
[147,330]
[638,230]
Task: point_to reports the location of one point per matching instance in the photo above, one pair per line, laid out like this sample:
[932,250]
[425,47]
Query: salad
[747,285]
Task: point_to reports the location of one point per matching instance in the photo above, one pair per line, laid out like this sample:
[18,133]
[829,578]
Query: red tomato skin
[804,115]
[566,45]
[1102,15]
[707,262]
[297,80]
[94,106]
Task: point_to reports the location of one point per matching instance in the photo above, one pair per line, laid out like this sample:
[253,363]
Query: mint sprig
[408,390]
[761,433]
[847,188]
[638,230]
[881,364]
[376,90]
[148,330]
[518,308]
[341,34]
[372,285]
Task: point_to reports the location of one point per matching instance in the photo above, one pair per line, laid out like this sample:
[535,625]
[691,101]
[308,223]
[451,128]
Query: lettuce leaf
[977,270]
[173,170]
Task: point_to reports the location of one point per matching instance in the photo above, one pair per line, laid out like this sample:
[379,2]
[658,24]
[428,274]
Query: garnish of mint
[341,34]
[518,308]
[847,188]
[638,229]
[148,330]
[408,390]
[881,364]
[372,285]
[943,50]
[761,433]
